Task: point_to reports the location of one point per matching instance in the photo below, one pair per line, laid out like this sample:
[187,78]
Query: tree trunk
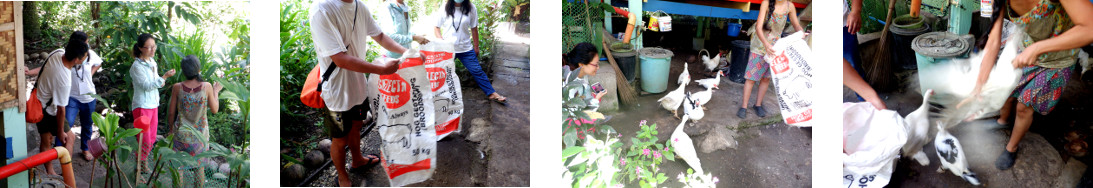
[32,27]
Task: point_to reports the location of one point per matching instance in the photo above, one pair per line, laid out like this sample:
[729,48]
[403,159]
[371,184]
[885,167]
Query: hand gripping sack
[444,84]
[402,105]
[872,140]
[792,78]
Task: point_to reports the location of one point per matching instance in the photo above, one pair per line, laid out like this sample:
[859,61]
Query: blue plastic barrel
[655,63]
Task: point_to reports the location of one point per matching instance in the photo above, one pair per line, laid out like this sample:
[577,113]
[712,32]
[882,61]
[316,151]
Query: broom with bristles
[627,95]
[879,74]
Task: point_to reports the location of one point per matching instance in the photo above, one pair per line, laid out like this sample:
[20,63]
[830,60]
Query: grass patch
[762,122]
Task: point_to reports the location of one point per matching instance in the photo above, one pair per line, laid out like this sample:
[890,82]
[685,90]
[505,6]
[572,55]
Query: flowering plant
[642,160]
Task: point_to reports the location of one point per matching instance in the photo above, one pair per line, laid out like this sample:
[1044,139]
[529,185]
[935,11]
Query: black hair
[78,35]
[580,54]
[450,7]
[1000,8]
[770,13]
[76,47]
[191,67]
[140,43]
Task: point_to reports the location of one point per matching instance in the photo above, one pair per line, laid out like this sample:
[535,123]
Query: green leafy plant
[642,160]
[591,165]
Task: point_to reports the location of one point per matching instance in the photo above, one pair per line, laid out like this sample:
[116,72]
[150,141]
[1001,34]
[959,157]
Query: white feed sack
[872,140]
[402,104]
[444,84]
[792,76]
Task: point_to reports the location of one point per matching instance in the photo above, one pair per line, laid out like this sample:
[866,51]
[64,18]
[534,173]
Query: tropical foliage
[298,55]
[215,32]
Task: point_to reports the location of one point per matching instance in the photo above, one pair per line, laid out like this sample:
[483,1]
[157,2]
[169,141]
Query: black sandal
[373,160]
[1006,159]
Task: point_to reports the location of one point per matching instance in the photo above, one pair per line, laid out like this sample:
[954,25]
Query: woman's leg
[1007,110]
[470,60]
[748,84]
[763,85]
[1020,126]
[86,123]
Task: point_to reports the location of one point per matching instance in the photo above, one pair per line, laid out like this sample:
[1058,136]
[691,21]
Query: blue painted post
[15,126]
[607,18]
[636,7]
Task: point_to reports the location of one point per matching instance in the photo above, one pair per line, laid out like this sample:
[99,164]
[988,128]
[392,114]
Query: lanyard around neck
[457,26]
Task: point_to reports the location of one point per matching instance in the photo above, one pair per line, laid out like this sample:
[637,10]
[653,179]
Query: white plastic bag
[872,140]
[444,84]
[402,105]
[792,78]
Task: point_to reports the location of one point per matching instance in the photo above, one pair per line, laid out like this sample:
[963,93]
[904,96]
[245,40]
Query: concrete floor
[1040,161]
[749,152]
[493,148]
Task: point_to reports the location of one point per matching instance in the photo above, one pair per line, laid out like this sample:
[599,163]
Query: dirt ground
[1042,159]
[493,148]
[749,152]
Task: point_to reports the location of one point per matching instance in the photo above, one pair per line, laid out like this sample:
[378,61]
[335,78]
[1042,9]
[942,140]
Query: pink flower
[676,140]
[665,149]
[638,171]
[620,135]
[645,151]
[643,122]
[622,161]
[656,154]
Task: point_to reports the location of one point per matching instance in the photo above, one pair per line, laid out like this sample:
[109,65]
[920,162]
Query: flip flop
[87,156]
[500,99]
[373,160]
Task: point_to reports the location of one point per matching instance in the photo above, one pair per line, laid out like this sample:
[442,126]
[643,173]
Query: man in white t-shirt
[54,89]
[339,29]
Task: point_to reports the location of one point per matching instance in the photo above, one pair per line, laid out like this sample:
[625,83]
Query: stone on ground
[717,139]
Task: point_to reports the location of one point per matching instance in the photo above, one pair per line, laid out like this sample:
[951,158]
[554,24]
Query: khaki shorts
[337,124]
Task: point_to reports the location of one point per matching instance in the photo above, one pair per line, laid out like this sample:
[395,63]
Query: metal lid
[942,44]
[654,52]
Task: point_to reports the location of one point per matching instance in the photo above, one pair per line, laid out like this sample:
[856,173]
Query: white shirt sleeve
[327,38]
[371,28]
[441,18]
[94,58]
[474,17]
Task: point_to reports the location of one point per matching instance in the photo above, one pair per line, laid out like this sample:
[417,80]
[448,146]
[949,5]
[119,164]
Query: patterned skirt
[757,68]
[191,143]
[1041,87]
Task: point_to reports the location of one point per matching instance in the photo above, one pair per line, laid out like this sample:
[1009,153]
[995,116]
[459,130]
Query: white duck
[918,127]
[951,155]
[684,147]
[672,100]
[703,97]
[711,82]
[685,76]
[711,63]
[957,79]
[693,108]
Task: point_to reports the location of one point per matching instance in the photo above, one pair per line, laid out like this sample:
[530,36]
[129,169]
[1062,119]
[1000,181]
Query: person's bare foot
[498,98]
[87,155]
[343,180]
[1001,121]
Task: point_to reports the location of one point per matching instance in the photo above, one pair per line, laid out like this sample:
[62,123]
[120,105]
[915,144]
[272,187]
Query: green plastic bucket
[655,63]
